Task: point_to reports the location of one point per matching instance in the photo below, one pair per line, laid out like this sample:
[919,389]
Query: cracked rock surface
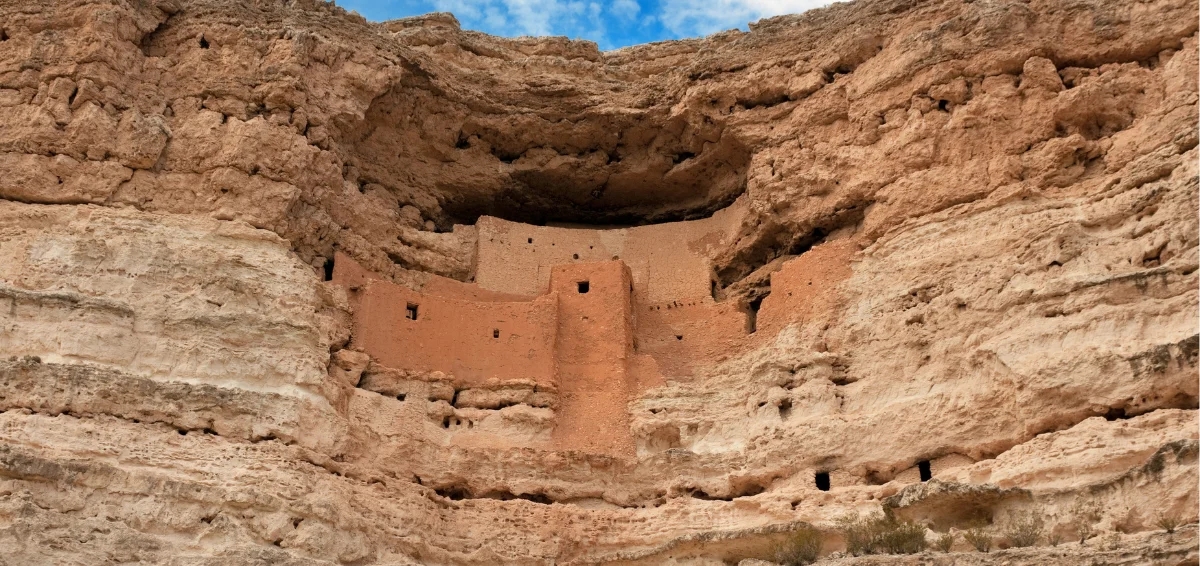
[997,201]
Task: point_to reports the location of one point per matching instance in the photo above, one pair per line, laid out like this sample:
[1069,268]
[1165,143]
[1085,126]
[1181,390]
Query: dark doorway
[926,472]
[329,269]
[752,314]
[823,481]
[410,312]
[584,286]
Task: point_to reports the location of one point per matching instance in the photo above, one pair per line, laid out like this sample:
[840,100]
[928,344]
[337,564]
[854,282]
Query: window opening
[329,269]
[410,312]
[584,286]
[752,315]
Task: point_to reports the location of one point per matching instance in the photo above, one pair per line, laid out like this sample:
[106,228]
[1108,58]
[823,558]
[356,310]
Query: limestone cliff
[963,235]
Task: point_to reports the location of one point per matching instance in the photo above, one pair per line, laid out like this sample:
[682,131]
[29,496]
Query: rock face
[935,257]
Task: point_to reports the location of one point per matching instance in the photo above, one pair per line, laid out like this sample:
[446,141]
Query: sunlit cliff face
[280,285]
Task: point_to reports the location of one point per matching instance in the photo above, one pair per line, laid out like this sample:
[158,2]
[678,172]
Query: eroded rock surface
[955,276]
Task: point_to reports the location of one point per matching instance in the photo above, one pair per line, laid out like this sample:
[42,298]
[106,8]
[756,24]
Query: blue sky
[610,23]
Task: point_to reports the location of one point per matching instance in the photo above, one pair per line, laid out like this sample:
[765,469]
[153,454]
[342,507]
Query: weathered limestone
[943,232]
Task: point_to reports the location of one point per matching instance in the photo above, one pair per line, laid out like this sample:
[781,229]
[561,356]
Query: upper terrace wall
[667,261]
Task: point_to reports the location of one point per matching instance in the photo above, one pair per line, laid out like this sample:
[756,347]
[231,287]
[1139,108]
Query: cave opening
[410,311]
[584,287]
[925,470]
[822,481]
[632,169]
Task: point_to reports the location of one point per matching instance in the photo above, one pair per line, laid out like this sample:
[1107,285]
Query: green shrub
[883,533]
[979,538]
[1024,529]
[944,543]
[859,533]
[902,537]
[801,548]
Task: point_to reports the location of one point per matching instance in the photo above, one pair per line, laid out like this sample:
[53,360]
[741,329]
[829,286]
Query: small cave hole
[926,471]
[584,286]
[203,43]
[453,493]
[495,333]
[329,269]
[410,311]
[823,481]
[944,105]
[683,156]
[785,408]
[575,256]
[679,337]
[530,240]
[1115,413]
[400,397]
[3,35]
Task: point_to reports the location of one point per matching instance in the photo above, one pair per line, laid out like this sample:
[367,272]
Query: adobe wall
[351,275]
[681,336]
[804,284]
[594,345]
[667,261]
[473,340]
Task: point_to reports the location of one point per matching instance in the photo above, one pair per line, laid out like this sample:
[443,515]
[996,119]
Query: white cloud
[529,17]
[691,18]
[591,19]
[625,10]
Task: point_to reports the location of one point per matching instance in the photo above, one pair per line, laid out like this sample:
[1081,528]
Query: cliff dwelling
[914,278]
[647,287]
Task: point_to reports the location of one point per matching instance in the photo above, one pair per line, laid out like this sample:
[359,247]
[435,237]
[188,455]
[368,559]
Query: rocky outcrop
[979,219]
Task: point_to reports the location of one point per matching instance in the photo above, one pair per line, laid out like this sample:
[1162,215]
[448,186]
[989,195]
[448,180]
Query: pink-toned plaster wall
[682,336]
[805,283]
[594,345]
[472,340]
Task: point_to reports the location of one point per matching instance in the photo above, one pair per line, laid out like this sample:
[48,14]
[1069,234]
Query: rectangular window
[410,312]
[584,286]
[823,481]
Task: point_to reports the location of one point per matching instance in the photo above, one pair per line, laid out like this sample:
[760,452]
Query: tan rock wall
[995,203]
